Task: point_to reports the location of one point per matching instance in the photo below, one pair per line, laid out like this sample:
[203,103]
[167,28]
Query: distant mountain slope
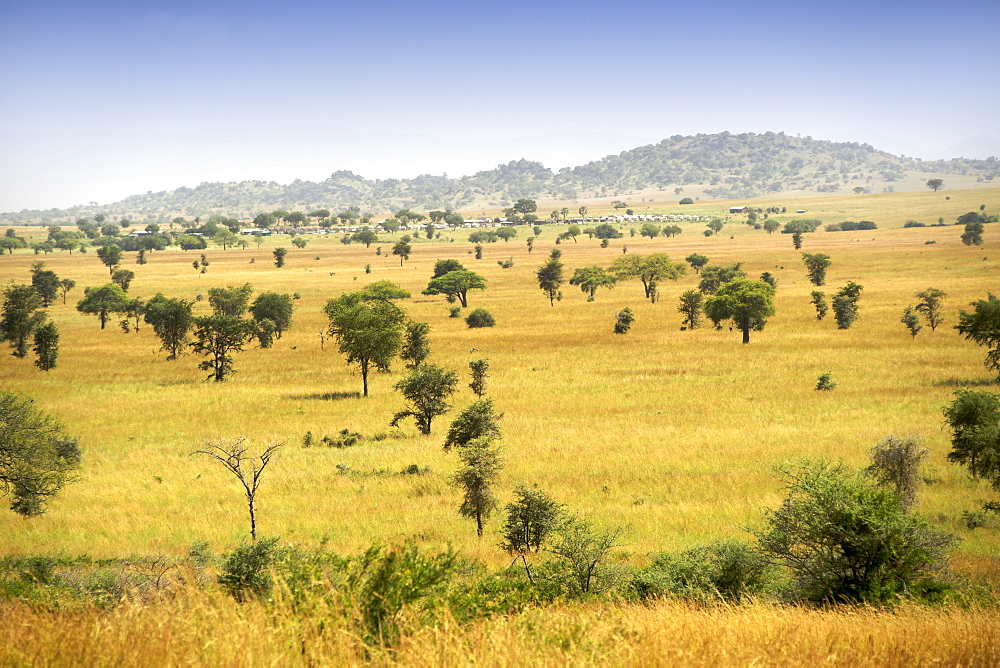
[730,165]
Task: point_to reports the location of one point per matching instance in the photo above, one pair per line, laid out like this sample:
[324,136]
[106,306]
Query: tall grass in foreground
[197,627]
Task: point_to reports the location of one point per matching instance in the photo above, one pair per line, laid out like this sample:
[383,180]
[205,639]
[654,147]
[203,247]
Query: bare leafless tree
[246,467]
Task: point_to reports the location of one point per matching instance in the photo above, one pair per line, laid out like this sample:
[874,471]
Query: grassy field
[670,434]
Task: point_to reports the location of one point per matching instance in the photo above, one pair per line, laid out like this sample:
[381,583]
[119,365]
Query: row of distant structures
[473,223]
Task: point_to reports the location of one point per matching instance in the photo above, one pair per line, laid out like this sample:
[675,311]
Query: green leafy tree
[649,230]
[46,283]
[531,518]
[911,320]
[403,250]
[974,419]
[368,330]
[123,278]
[624,320]
[279,256]
[846,539]
[525,206]
[690,307]
[219,337]
[480,371]
[816,266]
[37,458]
[819,301]
[506,233]
[103,301]
[46,345]
[300,242]
[231,300]
[582,550]
[456,285]
[477,478]
[771,225]
[696,261]
[983,327]
[973,234]
[845,305]
[133,312]
[442,267]
[607,231]
[416,344]
[171,319]
[935,184]
[650,269]
[477,420]
[111,256]
[20,316]
[427,388]
[365,236]
[713,277]
[550,279]
[716,225]
[277,308]
[65,285]
[930,304]
[747,303]
[591,278]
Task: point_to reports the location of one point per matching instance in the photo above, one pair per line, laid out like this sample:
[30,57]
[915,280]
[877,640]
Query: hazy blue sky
[100,100]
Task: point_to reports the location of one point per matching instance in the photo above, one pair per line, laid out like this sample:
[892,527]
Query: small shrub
[974,519]
[245,570]
[345,439]
[455,312]
[506,264]
[480,317]
[624,320]
[825,382]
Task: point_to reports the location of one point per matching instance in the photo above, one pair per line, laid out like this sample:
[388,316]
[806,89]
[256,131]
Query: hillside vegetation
[713,166]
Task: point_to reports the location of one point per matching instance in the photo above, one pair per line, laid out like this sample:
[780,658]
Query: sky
[101,100]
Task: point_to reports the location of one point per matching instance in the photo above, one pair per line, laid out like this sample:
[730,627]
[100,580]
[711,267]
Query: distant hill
[725,165]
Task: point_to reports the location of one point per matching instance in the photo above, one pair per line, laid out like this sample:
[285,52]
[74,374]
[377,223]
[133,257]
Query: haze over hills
[723,165]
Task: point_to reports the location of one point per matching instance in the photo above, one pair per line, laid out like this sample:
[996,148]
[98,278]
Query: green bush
[727,571]
[480,317]
[246,570]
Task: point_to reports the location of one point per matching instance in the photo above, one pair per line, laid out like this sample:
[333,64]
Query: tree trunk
[253,518]
[479,523]
[364,377]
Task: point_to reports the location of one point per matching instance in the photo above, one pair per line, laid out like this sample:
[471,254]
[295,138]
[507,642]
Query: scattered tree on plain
[973,234]
[974,419]
[930,305]
[36,457]
[819,301]
[45,282]
[279,256]
[477,420]
[427,388]
[219,337]
[248,469]
[690,307]
[416,344]
[712,277]
[480,370]
[111,256]
[103,301]
[845,305]
[368,329]
[582,550]
[650,269]
[46,346]
[275,307]
[20,316]
[65,285]
[231,300]
[696,261]
[456,285]
[550,278]
[591,278]
[935,184]
[983,327]
[403,250]
[171,320]
[747,303]
[816,266]
[624,320]
[896,462]
[531,519]
[477,478]
[912,321]
[123,278]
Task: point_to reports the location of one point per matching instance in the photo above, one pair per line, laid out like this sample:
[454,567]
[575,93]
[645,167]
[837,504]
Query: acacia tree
[974,419]
[747,303]
[20,316]
[219,337]
[819,301]
[247,468]
[456,285]
[111,256]
[427,388]
[690,306]
[650,269]
[36,457]
[935,184]
[911,321]
[123,278]
[279,256]
[103,301]
[983,327]
[550,278]
[531,518]
[368,329]
[231,300]
[477,420]
[845,305]
[816,266]
[46,283]
[416,344]
[65,285]
[480,370]
[591,278]
[403,249]
[171,320]
[477,478]
[714,276]
[46,346]
[275,307]
[696,261]
[930,305]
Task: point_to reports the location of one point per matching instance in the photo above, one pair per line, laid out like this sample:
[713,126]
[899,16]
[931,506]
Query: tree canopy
[456,285]
[747,303]
[368,330]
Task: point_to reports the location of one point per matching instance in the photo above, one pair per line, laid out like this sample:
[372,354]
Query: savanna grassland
[670,434]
